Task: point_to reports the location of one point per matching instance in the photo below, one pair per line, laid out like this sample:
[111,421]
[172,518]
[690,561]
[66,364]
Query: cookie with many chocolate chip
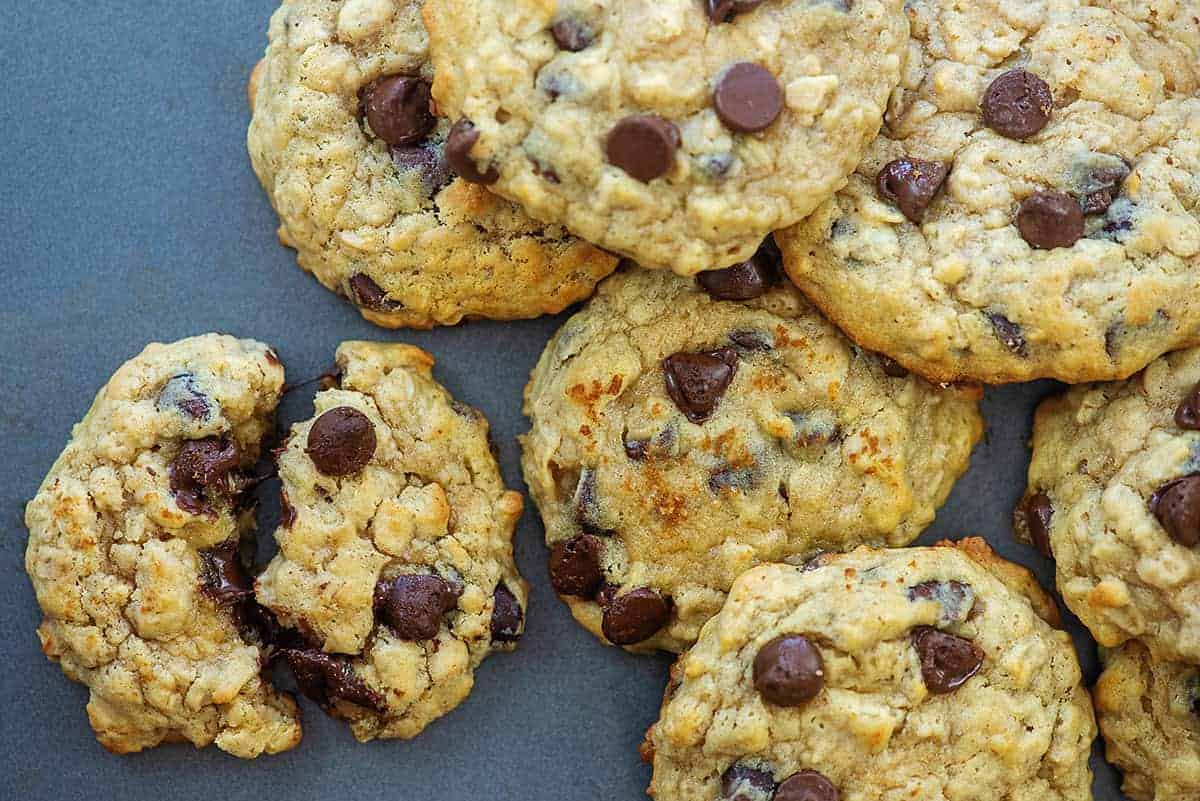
[1114,496]
[1149,714]
[134,551]
[676,132]
[877,675]
[360,169]
[679,438]
[1030,209]
[395,570]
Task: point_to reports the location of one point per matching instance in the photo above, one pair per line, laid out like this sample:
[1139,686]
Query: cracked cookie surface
[378,215]
[883,675]
[677,440]
[1031,208]
[395,564]
[676,132]
[1149,714]
[1113,496]
[133,552]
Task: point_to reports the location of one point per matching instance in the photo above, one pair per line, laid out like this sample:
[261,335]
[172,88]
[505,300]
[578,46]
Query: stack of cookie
[811,229]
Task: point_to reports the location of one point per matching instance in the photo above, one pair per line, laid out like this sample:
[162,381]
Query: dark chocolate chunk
[341,442]
[222,576]
[428,161]
[748,279]
[955,598]
[912,184]
[370,295]
[1176,504]
[398,109]
[634,616]
[1187,414]
[724,10]
[1049,220]
[741,782]
[575,566]
[807,785]
[643,145]
[1017,104]
[327,679]
[413,606]
[181,394]
[462,138]
[1009,333]
[571,34]
[789,671]
[947,661]
[507,616]
[696,382]
[1033,517]
[748,98]
[202,468]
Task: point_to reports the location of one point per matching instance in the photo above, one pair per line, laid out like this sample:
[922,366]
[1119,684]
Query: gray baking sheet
[130,214]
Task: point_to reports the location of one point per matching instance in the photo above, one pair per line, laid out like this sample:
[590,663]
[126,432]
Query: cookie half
[1149,714]
[914,673]
[680,436]
[395,568]
[1030,210]
[678,133]
[347,144]
[1114,496]
[134,552]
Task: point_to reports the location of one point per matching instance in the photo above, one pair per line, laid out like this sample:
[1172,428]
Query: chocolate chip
[744,281]
[413,606]
[747,98]
[571,34]
[369,294]
[507,615]
[341,442]
[397,109]
[426,160]
[734,479]
[750,340]
[818,427]
[221,575]
[697,381]
[461,139]
[807,785]
[1187,414]
[1099,186]
[1049,220]
[1194,694]
[200,465]
[1017,104]
[575,566]
[947,661]
[789,671]
[911,184]
[643,146]
[287,512]
[637,449]
[724,10]
[1177,507]
[1009,333]
[181,394]
[892,368]
[955,598]
[741,782]
[327,679]
[634,616]
[1033,517]
[587,511]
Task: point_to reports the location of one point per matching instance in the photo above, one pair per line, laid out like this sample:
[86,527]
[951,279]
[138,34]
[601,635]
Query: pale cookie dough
[657,131]
[1149,714]
[678,440]
[395,564]
[1114,496]
[133,552]
[921,673]
[378,216]
[1065,240]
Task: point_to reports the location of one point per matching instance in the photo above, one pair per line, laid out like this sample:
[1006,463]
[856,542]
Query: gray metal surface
[130,214]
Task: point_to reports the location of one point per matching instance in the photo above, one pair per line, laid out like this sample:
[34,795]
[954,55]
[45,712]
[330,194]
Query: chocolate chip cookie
[676,132]
[395,570]
[134,552]
[1114,496]
[353,157]
[684,430]
[1031,209]
[916,673]
[1149,714]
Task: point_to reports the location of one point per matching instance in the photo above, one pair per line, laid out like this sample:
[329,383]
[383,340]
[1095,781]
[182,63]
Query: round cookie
[345,144]
[1114,497]
[1149,714]
[1031,208]
[395,563]
[133,551]
[884,675]
[678,439]
[676,132]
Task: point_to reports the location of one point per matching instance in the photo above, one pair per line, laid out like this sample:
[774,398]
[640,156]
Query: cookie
[678,133]
[1114,497]
[679,438]
[915,673]
[1031,208]
[345,141]
[395,565]
[133,551]
[1149,714]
